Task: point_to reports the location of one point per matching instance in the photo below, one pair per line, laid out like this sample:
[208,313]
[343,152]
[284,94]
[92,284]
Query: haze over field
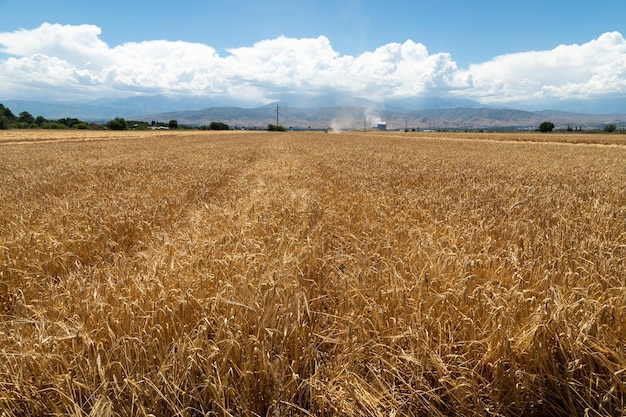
[564,55]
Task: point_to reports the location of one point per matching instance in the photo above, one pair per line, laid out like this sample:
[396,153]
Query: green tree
[173,124]
[610,128]
[273,128]
[218,126]
[117,124]
[26,117]
[69,122]
[4,111]
[546,127]
[39,120]
[6,117]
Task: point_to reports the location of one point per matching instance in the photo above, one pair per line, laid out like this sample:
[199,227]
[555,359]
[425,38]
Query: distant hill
[317,111]
[108,108]
[162,103]
[55,111]
[357,118]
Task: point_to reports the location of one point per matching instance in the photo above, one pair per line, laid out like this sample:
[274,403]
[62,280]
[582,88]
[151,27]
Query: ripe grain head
[311,274]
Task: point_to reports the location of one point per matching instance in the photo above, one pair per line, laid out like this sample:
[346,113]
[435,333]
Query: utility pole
[277,111]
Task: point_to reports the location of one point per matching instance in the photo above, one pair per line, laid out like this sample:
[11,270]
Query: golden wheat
[253,273]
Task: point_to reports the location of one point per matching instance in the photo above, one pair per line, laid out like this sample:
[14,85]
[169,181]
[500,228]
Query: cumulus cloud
[285,63]
[593,69]
[79,45]
[72,61]
[67,56]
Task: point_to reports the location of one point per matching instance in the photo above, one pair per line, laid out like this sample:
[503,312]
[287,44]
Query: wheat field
[310,274]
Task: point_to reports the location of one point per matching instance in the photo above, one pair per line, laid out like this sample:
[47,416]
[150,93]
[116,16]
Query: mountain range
[317,111]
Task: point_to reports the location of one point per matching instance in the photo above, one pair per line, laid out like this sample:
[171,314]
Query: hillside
[358,118]
[303,112]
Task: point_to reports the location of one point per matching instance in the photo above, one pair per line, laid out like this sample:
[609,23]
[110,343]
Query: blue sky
[489,51]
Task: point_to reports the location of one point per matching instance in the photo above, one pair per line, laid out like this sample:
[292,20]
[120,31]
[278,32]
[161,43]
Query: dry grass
[259,274]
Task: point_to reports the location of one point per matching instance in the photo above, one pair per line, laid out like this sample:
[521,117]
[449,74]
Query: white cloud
[71,56]
[72,61]
[285,63]
[408,70]
[79,45]
[596,68]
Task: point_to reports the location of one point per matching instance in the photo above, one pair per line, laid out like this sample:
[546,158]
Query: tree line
[549,126]
[25,120]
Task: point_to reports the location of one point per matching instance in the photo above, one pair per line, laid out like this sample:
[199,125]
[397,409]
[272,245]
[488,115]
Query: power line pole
[277,111]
